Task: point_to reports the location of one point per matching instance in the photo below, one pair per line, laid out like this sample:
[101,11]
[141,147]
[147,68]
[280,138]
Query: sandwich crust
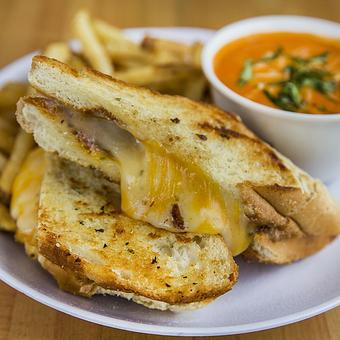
[68,281]
[265,250]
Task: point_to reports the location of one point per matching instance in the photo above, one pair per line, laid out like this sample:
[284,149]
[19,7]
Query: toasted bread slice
[218,143]
[68,281]
[92,248]
[230,154]
[266,250]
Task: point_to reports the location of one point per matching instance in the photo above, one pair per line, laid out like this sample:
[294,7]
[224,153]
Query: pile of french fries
[14,146]
[163,65]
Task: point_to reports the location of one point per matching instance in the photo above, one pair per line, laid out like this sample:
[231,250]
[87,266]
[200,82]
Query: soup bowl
[312,141]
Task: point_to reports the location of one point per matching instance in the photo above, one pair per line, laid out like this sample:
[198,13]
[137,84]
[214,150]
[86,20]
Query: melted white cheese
[163,191]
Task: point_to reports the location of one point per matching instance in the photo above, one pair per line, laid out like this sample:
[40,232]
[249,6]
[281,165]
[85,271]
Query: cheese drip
[159,189]
[178,197]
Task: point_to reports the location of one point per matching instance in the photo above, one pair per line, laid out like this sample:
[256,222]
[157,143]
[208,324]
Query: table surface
[29,25]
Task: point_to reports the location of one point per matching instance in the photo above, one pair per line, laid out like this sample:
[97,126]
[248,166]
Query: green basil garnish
[246,73]
[302,72]
[271,55]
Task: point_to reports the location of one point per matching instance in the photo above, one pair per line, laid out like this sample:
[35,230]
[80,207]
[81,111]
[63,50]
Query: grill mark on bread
[222,131]
[49,104]
[273,156]
[183,238]
[54,106]
[175,120]
[99,112]
[219,114]
[154,235]
[278,187]
[77,185]
[228,134]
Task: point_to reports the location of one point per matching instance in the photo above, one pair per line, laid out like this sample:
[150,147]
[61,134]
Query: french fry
[9,95]
[3,160]
[122,52]
[8,123]
[77,61]
[118,45]
[6,221]
[107,32]
[23,143]
[196,88]
[92,49]
[59,51]
[163,65]
[196,53]
[154,74]
[139,75]
[176,79]
[167,51]
[31,91]
[6,141]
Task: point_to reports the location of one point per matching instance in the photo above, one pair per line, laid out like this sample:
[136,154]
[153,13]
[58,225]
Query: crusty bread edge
[142,300]
[55,252]
[286,251]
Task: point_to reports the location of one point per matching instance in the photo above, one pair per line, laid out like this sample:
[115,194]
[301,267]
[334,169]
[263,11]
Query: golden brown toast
[90,247]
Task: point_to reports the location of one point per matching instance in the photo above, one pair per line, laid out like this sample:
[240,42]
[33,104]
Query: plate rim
[132,326]
[163,330]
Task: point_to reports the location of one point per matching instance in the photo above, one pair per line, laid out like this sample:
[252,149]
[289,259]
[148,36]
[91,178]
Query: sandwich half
[90,247]
[182,166]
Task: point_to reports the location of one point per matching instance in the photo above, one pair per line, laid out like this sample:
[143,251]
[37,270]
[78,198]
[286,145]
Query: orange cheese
[159,189]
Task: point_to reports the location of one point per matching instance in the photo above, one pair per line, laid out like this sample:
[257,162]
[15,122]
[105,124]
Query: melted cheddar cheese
[179,197]
[159,189]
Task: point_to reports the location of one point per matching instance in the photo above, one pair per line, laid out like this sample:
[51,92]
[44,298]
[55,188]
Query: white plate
[265,296]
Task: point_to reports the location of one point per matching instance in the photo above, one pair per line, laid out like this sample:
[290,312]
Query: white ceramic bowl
[311,141]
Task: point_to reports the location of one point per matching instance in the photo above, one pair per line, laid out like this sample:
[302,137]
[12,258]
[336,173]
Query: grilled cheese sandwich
[158,188]
[194,159]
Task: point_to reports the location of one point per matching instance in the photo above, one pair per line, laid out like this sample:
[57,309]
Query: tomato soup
[290,71]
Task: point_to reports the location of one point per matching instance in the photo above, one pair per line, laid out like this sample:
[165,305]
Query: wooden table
[28,25]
